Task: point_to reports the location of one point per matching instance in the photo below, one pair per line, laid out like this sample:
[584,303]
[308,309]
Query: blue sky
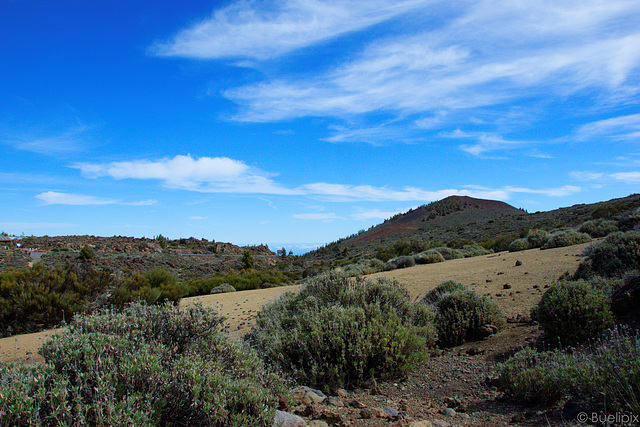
[304,121]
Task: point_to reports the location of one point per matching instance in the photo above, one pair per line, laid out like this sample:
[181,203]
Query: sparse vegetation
[613,257]
[571,312]
[141,366]
[563,238]
[341,332]
[460,312]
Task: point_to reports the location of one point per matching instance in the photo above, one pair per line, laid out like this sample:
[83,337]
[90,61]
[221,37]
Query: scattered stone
[506,286]
[403,405]
[449,412]
[366,414]
[305,395]
[472,352]
[452,402]
[317,423]
[342,393]
[518,263]
[421,424]
[333,401]
[285,419]
[357,404]
[309,410]
[486,330]
[391,412]
[440,423]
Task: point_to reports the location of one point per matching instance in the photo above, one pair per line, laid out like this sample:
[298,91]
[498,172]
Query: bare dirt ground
[456,378]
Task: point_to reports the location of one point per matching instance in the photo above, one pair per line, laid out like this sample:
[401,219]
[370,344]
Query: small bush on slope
[519,245]
[605,372]
[143,366]
[460,311]
[598,227]
[571,312]
[564,238]
[613,257]
[340,332]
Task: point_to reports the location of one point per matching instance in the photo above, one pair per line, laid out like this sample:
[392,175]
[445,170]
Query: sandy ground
[488,275]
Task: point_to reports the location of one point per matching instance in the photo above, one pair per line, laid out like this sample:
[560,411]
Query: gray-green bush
[145,365]
[598,227]
[562,238]
[606,372]
[460,311]
[341,332]
[571,312]
[428,257]
[537,237]
[613,257]
[519,245]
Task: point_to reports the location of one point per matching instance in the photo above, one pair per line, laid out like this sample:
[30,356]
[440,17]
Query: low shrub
[598,227]
[571,312]
[519,245]
[537,237]
[400,262]
[341,332]
[469,251]
[443,288]
[530,376]
[428,257]
[564,238]
[221,289]
[364,267]
[606,372]
[613,257]
[448,253]
[460,312]
[145,365]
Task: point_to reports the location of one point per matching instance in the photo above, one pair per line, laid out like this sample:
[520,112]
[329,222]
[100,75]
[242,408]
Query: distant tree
[247,260]
[162,241]
[86,253]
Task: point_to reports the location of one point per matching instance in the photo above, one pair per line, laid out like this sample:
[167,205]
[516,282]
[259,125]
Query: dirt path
[486,274]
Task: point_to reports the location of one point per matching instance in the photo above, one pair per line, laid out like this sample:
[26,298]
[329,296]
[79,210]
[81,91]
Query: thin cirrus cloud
[544,50]
[73,199]
[257,30]
[225,175]
[619,128]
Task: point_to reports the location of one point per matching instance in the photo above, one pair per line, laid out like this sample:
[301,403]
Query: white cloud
[198,218]
[586,175]
[267,29]
[67,141]
[628,177]
[375,214]
[205,174]
[488,53]
[619,128]
[317,216]
[56,198]
[233,176]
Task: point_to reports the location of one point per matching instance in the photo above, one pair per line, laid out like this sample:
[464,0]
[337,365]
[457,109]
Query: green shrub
[400,262]
[86,253]
[224,288]
[473,250]
[519,245]
[536,377]
[564,238]
[428,257]
[598,227]
[460,311]
[605,372]
[449,253]
[364,267]
[572,312]
[443,288]
[537,237]
[613,257]
[341,332]
[146,365]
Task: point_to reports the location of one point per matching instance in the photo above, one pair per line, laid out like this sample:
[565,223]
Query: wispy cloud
[618,128]
[485,142]
[523,52]
[317,216]
[205,174]
[58,198]
[225,175]
[375,214]
[263,30]
[70,140]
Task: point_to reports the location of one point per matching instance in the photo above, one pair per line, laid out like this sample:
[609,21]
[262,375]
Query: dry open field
[486,274]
